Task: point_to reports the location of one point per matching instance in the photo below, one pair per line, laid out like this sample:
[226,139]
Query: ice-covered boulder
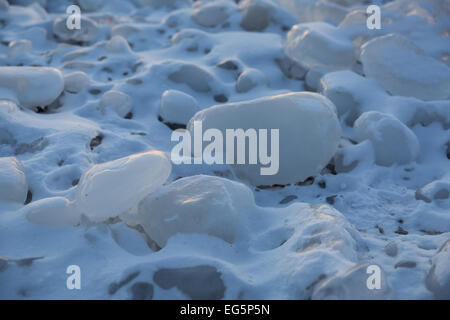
[177,107]
[315,10]
[404,69]
[32,86]
[211,14]
[53,212]
[13,182]
[197,204]
[436,190]
[320,45]
[438,279]
[256,14]
[112,188]
[250,79]
[87,33]
[354,285]
[76,81]
[165,3]
[197,78]
[309,133]
[393,142]
[19,48]
[118,101]
[90,5]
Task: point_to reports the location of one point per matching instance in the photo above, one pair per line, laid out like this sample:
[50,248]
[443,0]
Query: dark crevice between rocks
[171,125]
[115,286]
[95,142]
[29,197]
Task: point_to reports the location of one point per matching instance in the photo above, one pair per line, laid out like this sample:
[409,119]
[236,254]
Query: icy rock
[196,204]
[313,10]
[402,68]
[391,249]
[165,3]
[393,142]
[438,279]
[353,285]
[118,44]
[13,183]
[177,107]
[118,101]
[19,47]
[87,33]
[75,82]
[90,5]
[309,133]
[193,76]
[109,189]
[211,15]
[436,190]
[290,68]
[33,86]
[312,79]
[53,212]
[256,14]
[250,79]
[319,45]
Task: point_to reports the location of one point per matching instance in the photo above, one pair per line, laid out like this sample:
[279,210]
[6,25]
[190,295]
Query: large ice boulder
[32,86]
[404,69]
[320,45]
[256,14]
[438,279]
[118,101]
[197,204]
[250,79]
[53,212]
[112,188]
[177,107]
[13,183]
[393,142]
[308,129]
[76,81]
[212,14]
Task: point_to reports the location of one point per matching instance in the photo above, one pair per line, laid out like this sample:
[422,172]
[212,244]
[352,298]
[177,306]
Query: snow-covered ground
[86,177]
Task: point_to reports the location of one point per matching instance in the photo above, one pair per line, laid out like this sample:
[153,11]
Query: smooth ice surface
[13,182]
[177,107]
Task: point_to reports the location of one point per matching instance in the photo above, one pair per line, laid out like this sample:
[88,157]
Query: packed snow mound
[112,188]
[256,14]
[320,45]
[393,142]
[438,279]
[13,182]
[118,101]
[177,107]
[32,86]
[436,190]
[250,79]
[76,81]
[197,204]
[309,133]
[210,15]
[404,69]
[352,285]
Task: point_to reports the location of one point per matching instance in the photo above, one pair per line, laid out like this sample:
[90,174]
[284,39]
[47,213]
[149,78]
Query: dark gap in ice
[115,286]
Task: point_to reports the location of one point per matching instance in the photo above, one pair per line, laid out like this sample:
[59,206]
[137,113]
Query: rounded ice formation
[87,32]
[309,133]
[52,212]
[90,5]
[118,101]
[76,81]
[33,86]
[118,44]
[177,107]
[436,190]
[319,45]
[112,188]
[256,14]
[19,47]
[197,204]
[438,279]
[13,183]
[404,69]
[210,15]
[393,142]
[250,79]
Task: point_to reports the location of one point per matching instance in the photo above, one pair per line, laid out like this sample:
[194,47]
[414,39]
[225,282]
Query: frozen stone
[402,68]
[13,182]
[177,107]
[19,47]
[193,76]
[438,279]
[165,3]
[52,212]
[87,33]
[118,44]
[250,79]
[90,5]
[353,285]
[313,10]
[309,133]
[211,15]
[320,45]
[32,86]
[112,188]
[197,204]
[436,190]
[391,249]
[393,142]
[76,81]
[312,79]
[118,101]
[256,14]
